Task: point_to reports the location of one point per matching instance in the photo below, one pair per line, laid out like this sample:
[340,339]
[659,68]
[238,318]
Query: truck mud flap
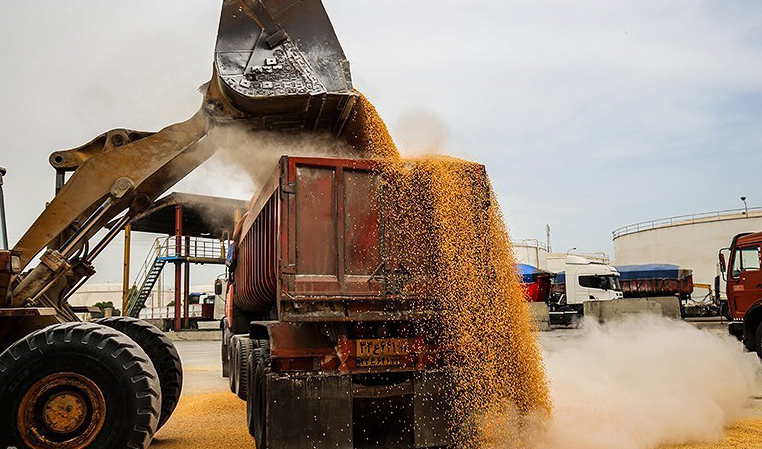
[431,410]
[309,411]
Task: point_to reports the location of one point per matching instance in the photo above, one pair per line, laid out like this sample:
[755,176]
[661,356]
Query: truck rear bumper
[326,410]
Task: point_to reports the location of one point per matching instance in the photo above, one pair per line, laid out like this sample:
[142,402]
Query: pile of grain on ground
[206,421]
[744,434]
[447,228]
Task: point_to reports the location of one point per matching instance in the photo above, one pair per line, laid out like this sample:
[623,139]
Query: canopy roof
[203,216]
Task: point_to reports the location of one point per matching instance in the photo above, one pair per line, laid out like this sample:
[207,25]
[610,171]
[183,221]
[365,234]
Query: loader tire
[163,355]
[77,385]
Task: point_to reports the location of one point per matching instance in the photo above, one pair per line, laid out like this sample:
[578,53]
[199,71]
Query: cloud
[554,94]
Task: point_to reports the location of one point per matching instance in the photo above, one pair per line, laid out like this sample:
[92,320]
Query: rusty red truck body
[744,288]
[320,334]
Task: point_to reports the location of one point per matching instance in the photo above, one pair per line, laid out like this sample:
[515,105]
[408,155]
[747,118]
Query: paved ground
[208,415]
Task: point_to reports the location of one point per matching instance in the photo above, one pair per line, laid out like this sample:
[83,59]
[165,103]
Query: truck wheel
[258,396]
[77,385]
[725,311]
[242,377]
[250,392]
[234,352]
[225,351]
[163,355]
[758,340]
[252,389]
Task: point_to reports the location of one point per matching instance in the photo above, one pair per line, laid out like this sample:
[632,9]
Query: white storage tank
[531,252]
[691,241]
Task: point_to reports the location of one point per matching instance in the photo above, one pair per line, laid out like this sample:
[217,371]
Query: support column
[126,268]
[186,278]
[178,266]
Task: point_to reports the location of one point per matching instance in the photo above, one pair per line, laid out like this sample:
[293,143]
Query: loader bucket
[280,64]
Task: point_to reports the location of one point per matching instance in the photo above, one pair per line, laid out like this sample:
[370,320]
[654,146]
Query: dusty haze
[646,381]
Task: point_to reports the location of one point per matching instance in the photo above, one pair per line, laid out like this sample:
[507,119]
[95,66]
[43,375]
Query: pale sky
[588,114]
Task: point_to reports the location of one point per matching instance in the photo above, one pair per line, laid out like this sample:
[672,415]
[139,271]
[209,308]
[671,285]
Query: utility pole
[547,233]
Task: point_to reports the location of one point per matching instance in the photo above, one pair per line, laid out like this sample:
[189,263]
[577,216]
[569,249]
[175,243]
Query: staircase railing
[170,248]
[151,259]
[193,247]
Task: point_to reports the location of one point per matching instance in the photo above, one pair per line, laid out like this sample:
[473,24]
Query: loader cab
[9,261]
[741,265]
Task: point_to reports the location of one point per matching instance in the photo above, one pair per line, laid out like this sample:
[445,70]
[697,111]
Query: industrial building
[691,241]
[535,253]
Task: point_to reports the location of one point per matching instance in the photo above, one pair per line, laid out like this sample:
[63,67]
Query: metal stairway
[171,249]
[138,297]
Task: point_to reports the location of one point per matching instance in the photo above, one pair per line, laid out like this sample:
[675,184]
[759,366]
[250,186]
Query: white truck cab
[590,281]
[582,281]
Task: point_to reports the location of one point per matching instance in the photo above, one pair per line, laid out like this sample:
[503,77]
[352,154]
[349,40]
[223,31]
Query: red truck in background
[324,334]
[535,282]
[744,288]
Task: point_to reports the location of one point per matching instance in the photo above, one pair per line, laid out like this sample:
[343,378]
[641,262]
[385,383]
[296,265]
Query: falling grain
[447,229]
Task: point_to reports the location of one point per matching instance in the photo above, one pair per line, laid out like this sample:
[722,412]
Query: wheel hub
[62,410]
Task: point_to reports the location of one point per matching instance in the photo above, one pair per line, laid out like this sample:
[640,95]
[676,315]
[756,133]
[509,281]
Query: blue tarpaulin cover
[652,271]
[528,272]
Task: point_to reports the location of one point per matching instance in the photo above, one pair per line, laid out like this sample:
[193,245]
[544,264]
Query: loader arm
[149,165]
[108,180]
[278,66]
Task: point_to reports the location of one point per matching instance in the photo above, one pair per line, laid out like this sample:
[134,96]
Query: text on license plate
[384,360]
[382,347]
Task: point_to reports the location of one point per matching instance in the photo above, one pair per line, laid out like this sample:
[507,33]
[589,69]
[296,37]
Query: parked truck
[650,280]
[323,328]
[535,282]
[662,281]
[740,266]
[205,310]
[582,280]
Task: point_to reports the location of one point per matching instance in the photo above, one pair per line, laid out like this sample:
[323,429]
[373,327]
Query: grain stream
[447,230]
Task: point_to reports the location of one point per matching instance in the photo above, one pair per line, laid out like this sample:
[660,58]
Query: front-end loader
[111,384]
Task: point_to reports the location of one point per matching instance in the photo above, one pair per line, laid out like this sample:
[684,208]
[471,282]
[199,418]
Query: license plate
[382,347]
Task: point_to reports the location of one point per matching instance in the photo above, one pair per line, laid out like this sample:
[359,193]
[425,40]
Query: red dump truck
[744,288]
[321,337]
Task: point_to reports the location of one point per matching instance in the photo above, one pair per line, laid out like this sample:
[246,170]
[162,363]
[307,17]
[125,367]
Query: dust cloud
[420,132]
[245,160]
[643,382]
